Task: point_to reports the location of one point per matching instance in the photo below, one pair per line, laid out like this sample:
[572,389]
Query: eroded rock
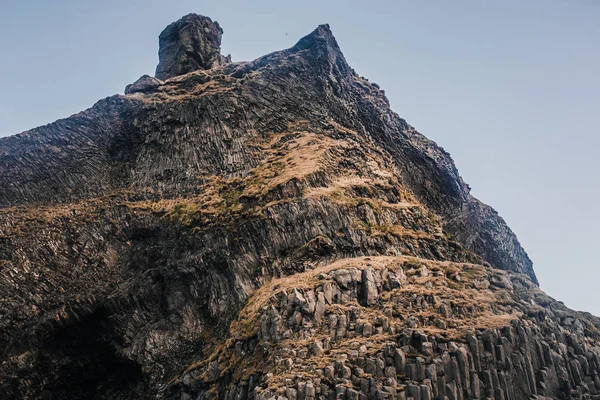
[190,44]
[144,84]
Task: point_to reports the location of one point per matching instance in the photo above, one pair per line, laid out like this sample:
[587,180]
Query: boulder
[145,84]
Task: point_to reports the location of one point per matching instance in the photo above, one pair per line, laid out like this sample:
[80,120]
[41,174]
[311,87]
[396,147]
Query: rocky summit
[264,230]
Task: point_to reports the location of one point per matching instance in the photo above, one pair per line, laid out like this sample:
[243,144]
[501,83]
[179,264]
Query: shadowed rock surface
[264,229]
[145,84]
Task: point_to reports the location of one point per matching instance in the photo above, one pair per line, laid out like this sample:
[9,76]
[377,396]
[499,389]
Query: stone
[390,391]
[390,372]
[400,361]
[362,350]
[426,392]
[420,369]
[463,364]
[352,394]
[427,349]
[369,288]
[346,372]
[343,278]
[440,323]
[291,393]
[328,372]
[309,391]
[475,385]
[340,391]
[329,292]
[317,348]
[379,367]
[413,391]
[319,308]
[341,326]
[412,322]
[431,372]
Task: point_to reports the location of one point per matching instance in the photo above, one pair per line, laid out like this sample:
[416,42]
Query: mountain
[264,230]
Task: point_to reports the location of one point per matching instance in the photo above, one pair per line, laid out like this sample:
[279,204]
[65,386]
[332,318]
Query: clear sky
[510,88]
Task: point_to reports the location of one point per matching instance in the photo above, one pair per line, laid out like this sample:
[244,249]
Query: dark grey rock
[190,44]
[145,84]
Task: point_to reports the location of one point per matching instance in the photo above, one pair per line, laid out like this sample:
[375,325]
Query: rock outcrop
[400,328]
[264,229]
[146,83]
[190,44]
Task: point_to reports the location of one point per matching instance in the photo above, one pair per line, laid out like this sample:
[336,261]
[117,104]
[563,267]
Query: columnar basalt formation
[264,230]
[399,328]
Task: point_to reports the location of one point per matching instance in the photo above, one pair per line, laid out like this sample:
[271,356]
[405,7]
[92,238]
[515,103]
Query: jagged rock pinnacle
[326,47]
[190,44]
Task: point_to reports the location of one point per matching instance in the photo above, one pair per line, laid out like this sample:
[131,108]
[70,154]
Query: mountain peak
[322,32]
[189,44]
[259,230]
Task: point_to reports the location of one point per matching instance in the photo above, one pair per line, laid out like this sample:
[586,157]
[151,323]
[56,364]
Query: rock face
[264,229]
[190,44]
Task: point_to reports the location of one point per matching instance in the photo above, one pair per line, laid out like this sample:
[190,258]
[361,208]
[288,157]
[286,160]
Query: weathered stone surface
[190,44]
[143,85]
[369,288]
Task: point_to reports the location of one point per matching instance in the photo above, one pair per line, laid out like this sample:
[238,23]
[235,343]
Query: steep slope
[261,229]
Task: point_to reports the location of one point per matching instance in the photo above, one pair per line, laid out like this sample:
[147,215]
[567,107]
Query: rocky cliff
[264,229]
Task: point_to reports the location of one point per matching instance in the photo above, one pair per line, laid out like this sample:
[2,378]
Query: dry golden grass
[22,220]
[304,153]
[399,231]
[219,197]
[337,192]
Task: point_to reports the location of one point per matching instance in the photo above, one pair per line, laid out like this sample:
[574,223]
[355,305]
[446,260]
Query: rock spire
[189,44]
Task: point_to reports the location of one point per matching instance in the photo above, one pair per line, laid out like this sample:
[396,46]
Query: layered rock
[264,229]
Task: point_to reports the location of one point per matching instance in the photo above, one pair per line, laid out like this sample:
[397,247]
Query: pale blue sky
[510,88]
